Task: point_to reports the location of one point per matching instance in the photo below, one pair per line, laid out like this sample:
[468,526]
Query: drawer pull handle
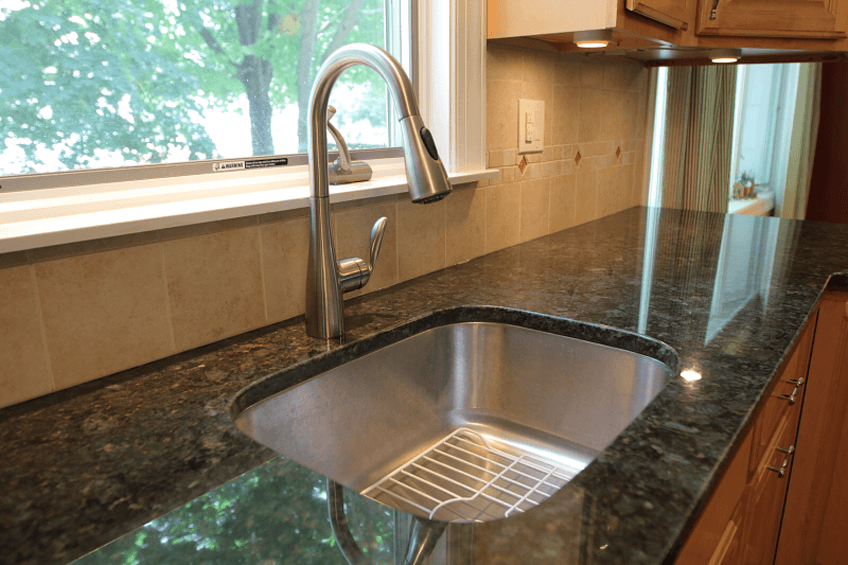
[791,397]
[781,471]
[714,11]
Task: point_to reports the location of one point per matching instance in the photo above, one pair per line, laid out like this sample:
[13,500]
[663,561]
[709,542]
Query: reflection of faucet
[424,534]
[326,278]
[342,170]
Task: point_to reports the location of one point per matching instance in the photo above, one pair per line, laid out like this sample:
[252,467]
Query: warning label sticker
[250,164]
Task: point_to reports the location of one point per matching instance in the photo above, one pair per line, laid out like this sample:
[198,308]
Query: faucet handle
[354,273]
[377,233]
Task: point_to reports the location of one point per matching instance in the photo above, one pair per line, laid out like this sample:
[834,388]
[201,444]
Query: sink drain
[469,477]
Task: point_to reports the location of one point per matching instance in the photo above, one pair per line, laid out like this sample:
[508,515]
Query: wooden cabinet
[766,30]
[673,13]
[740,523]
[814,525]
[772,18]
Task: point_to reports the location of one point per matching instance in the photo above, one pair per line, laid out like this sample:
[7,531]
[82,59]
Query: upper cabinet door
[774,18]
[673,13]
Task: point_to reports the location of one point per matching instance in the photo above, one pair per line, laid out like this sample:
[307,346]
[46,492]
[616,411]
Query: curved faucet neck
[350,55]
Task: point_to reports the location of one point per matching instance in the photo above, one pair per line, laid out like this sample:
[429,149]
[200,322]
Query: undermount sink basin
[466,421]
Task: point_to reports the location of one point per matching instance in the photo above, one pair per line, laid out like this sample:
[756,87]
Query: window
[448,45]
[115,83]
[762,124]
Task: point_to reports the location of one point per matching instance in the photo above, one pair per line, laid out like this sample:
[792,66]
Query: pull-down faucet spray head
[425,173]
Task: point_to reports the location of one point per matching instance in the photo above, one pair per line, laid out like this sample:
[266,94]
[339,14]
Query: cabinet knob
[714,11]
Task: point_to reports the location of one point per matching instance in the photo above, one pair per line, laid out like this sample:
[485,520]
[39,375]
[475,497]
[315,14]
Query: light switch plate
[531,125]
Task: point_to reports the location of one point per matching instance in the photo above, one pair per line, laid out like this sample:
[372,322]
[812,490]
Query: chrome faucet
[326,278]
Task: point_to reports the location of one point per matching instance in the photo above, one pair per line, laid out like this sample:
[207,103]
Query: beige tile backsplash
[24,372]
[71,314]
[103,312]
[215,286]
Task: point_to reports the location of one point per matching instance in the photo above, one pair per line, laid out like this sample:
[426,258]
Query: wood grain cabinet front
[770,30]
[816,19]
[673,13]
[815,521]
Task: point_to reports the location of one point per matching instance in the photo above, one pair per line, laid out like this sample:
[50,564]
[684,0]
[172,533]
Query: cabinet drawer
[784,398]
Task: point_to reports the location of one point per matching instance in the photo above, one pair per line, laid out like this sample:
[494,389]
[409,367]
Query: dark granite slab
[728,293]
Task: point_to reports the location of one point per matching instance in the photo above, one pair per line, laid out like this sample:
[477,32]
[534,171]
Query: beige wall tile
[623,75]
[591,112]
[592,74]
[104,312]
[503,205]
[586,197]
[608,191]
[614,115]
[352,233]
[568,69]
[24,371]
[502,114]
[504,62]
[421,238]
[566,115]
[538,67]
[562,203]
[465,222]
[215,287]
[535,208]
[285,247]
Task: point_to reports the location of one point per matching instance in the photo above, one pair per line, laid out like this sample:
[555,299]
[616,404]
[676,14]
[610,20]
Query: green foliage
[129,76]
[273,515]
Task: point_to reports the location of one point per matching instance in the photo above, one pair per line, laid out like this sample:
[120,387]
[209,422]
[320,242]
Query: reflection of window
[765,122]
[762,124]
[744,268]
[118,82]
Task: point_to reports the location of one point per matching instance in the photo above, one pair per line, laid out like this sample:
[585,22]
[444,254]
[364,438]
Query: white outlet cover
[531,125]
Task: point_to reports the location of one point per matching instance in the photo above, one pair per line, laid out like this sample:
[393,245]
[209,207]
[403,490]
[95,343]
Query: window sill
[33,219]
[762,205]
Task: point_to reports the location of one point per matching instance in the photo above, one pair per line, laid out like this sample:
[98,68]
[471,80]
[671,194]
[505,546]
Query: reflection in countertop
[729,293]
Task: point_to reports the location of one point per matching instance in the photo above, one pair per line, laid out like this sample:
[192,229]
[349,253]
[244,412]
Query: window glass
[104,83]
[765,108]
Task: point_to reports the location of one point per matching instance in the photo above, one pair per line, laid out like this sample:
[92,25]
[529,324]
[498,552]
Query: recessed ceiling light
[594,39]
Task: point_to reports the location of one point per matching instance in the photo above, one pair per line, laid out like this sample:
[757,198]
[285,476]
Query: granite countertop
[729,294]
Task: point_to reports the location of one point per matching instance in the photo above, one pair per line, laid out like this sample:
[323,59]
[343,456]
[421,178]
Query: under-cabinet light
[725,55]
[594,39]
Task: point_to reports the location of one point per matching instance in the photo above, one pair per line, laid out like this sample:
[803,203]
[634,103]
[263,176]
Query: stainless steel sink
[464,421]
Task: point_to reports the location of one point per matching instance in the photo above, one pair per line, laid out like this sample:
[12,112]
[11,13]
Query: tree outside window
[88,84]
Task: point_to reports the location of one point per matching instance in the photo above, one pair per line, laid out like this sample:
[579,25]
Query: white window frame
[451,51]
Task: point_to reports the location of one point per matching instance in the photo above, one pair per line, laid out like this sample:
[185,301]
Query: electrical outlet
[531,125]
